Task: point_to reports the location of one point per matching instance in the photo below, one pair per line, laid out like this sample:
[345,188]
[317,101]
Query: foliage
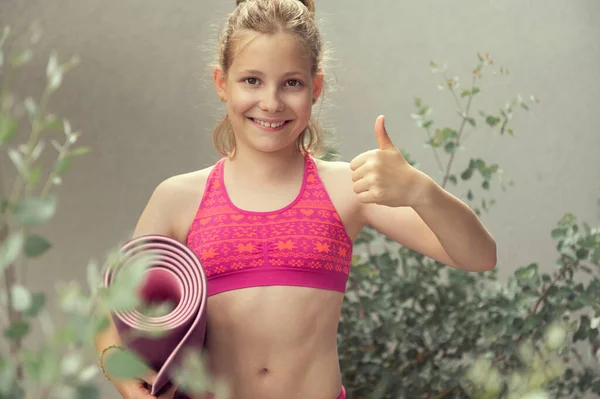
[414,328]
[52,361]
[410,326]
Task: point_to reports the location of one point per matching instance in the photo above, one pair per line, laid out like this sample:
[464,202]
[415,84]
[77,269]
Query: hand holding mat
[174,275]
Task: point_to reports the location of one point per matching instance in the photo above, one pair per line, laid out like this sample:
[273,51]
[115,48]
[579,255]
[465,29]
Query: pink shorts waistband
[342,394]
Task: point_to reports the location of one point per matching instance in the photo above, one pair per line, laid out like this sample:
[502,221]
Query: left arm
[442,227]
[410,208]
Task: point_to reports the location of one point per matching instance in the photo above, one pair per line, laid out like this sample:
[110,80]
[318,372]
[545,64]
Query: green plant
[413,328]
[38,357]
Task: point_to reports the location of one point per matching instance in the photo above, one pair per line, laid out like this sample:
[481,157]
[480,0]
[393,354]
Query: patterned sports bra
[303,244]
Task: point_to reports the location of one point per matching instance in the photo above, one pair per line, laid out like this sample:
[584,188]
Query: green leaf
[558,233]
[527,273]
[35,211]
[8,129]
[583,330]
[71,363]
[470,195]
[427,124]
[472,122]
[492,120]
[62,165]
[80,151]
[452,179]
[36,245]
[32,108]
[450,147]
[101,323]
[87,392]
[467,174]
[7,377]
[21,298]
[10,249]
[55,78]
[123,364]
[38,301]
[34,175]
[17,330]
[486,185]
[121,295]
[94,278]
[53,123]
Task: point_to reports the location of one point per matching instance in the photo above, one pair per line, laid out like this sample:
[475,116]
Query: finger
[361,186]
[358,161]
[169,394]
[149,376]
[383,139]
[360,173]
[366,197]
[139,392]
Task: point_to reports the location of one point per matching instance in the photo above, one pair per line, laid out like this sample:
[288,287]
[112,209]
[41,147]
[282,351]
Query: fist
[383,176]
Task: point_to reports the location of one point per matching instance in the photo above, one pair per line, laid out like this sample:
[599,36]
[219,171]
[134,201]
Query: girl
[273,226]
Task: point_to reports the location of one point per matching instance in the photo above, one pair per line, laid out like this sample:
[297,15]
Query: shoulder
[334,170]
[337,179]
[173,205]
[179,187]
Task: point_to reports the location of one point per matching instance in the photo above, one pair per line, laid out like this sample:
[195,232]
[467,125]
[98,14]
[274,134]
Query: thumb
[383,139]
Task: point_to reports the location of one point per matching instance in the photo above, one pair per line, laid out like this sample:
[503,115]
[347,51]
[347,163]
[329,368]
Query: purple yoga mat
[176,275]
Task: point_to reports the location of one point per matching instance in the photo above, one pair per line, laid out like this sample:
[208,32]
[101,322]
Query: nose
[271,101]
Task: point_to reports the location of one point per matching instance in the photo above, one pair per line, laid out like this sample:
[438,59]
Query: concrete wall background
[143,99]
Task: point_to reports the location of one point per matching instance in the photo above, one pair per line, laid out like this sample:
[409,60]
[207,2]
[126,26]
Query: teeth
[267,124]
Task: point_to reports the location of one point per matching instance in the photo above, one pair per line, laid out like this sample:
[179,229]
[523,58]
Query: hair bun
[310,4]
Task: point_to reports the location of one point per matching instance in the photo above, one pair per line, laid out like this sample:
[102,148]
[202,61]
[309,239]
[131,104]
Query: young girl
[273,226]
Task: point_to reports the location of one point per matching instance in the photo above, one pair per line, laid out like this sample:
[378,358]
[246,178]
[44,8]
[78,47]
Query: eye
[251,81]
[293,83]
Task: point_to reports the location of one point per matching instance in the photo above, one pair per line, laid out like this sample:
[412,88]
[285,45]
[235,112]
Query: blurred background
[143,99]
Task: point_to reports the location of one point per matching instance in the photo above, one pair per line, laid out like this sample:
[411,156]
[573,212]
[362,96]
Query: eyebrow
[259,73]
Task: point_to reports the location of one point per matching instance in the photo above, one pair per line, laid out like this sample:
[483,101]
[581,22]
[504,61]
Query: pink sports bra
[303,244]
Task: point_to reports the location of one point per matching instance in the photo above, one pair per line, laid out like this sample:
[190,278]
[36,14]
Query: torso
[275,341]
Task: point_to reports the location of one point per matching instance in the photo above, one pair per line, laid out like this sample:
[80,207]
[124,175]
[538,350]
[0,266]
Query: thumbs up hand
[384,177]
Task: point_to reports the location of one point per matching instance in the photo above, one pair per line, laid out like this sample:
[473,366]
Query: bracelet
[102,354]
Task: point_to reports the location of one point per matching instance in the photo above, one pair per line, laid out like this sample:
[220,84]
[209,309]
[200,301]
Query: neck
[268,167]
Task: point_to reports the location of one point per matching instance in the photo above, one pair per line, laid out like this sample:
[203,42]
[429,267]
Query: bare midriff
[275,342]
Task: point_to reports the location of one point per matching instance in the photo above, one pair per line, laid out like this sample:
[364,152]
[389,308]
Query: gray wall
[143,99]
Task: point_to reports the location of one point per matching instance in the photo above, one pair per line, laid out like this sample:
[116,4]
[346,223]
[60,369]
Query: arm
[155,219]
[441,227]
[409,207]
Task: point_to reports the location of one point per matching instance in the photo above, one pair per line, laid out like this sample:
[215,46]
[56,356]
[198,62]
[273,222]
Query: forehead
[277,54]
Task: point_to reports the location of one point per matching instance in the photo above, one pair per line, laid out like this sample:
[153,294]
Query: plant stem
[458,104]
[31,143]
[544,295]
[460,132]
[435,154]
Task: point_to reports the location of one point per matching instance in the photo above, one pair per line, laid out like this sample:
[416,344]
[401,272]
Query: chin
[272,148]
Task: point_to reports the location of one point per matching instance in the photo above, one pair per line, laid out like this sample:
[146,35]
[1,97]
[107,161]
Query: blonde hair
[271,17]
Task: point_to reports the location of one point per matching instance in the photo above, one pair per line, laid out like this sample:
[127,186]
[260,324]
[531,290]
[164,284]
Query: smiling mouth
[269,125]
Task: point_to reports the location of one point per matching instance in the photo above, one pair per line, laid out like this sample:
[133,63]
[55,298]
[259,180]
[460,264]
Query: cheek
[241,100]
[301,103]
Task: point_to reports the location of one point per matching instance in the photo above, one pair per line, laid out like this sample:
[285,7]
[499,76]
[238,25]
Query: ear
[317,83]
[220,81]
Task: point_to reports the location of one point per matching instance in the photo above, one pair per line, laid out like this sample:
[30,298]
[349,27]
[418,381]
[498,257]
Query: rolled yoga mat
[176,275]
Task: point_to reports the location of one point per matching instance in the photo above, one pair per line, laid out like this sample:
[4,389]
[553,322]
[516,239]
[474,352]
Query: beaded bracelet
[102,354]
